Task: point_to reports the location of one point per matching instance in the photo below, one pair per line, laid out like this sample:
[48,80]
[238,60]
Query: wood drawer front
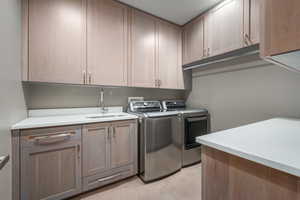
[48,137]
[108,177]
[106,124]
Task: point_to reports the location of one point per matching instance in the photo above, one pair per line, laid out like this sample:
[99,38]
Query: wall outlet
[135,99]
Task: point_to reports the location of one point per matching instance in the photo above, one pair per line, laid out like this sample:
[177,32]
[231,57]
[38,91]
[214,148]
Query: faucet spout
[102,104]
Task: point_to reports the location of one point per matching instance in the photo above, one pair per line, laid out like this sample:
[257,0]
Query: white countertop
[274,143]
[64,117]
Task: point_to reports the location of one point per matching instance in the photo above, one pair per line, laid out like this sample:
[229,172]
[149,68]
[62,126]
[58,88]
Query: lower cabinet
[96,149]
[60,162]
[123,144]
[109,153]
[50,163]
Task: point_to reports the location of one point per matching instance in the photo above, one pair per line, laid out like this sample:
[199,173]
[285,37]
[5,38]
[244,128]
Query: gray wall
[244,96]
[40,96]
[12,106]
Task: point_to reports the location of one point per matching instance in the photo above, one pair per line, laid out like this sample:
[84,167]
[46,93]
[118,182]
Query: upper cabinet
[99,42]
[169,56]
[107,36]
[252,22]
[143,49]
[209,37]
[280,32]
[193,35]
[255,6]
[224,28]
[229,26]
[281,24]
[56,41]
[156,52]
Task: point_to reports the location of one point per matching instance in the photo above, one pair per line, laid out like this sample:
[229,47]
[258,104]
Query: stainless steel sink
[104,116]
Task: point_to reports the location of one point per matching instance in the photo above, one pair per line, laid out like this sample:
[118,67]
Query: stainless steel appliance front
[160,146]
[195,125]
[195,122]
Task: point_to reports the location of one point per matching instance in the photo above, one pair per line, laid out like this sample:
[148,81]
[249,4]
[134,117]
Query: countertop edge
[253,158]
[55,124]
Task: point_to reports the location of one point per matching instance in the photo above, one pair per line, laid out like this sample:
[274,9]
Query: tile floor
[186,184]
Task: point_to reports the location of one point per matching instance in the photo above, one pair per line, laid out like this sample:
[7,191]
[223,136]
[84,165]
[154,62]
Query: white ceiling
[177,11]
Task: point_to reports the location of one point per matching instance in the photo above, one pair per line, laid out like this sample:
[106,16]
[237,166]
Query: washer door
[163,146]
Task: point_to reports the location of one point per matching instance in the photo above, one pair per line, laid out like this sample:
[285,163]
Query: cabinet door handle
[158,83]
[78,151]
[90,78]
[245,40]
[108,178]
[248,40]
[52,139]
[208,51]
[114,132]
[84,77]
[96,129]
[108,134]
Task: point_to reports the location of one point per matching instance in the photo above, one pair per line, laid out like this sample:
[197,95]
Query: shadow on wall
[239,97]
[39,96]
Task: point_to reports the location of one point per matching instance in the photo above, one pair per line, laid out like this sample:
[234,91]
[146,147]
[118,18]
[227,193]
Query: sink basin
[104,116]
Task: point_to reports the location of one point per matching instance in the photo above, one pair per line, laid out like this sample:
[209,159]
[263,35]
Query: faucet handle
[102,95]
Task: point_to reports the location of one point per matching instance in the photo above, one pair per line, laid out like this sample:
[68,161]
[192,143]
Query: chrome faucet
[101,102]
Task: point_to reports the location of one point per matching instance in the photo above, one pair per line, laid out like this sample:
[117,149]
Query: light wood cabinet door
[280,27]
[143,49]
[169,55]
[123,144]
[96,149]
[193,44]
[107,37]
[181,74]
[224,28]
[252,22]
[255,20]
[209,35]
[185,33]
[56,41]
[51,167]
